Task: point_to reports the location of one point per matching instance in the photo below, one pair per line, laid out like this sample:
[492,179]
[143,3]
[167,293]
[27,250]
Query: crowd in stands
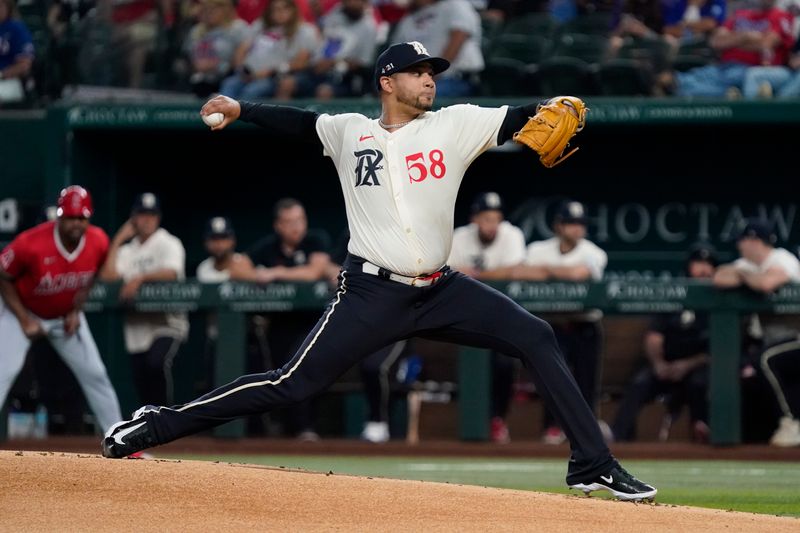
[325,48]
[675,350]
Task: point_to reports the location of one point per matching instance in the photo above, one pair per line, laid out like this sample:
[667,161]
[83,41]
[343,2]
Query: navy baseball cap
[146,202]
[219,228]
[399,57]
[757,228]
[571,212]
[486,201]
[703,251]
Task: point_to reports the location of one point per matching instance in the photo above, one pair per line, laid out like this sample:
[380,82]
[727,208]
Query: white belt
[419,281]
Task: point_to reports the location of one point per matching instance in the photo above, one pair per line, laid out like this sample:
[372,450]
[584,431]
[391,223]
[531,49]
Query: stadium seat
[597,23]
[588,47]
[525,48]
[682,63]
[652,52]
[561,75]
[541,24]
[502,77]
[490,28]
[624,77]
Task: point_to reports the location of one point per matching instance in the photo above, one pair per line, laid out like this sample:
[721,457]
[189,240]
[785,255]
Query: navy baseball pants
[368,313]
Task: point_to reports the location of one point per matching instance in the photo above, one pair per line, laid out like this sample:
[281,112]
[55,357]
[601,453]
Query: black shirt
[685,334]
[267,252]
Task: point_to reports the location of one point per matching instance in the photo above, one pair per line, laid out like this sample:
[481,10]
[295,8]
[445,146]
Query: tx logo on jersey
[367,166]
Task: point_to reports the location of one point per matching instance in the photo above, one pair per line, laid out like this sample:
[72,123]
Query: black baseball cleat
[128,436]
[620,483]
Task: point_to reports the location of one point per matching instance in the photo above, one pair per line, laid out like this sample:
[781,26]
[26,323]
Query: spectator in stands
[487,248]
[223,264]
[748,38]
[692,20]
[310,10]
[774,81]
[450,29]
[642,23]
[135,26]
[16,54]
[342,66]
[676,347]
[212,43]
[142,252]
[281,45]
[764,268]
[569,256]
[291,253]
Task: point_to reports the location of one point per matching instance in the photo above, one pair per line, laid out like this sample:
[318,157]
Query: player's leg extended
[363,316]
[81,355]
[13,347]
[468,312]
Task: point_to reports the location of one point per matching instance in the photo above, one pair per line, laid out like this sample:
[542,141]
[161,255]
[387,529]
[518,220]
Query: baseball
[213,119]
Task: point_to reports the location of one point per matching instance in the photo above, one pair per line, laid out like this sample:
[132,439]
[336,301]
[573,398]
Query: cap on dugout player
[486,201]
[146,202]
[74,201]
[757,228]
[219,228]
[401,56]
[703,251]
[571,212]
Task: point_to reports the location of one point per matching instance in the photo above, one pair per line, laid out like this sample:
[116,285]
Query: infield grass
[758,487]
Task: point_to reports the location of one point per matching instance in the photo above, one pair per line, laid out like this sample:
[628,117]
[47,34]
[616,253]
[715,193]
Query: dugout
[655,174]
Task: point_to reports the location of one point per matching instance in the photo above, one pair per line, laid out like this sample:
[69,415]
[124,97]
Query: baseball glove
[549,131]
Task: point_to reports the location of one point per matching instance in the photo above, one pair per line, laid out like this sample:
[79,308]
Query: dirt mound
[53,491]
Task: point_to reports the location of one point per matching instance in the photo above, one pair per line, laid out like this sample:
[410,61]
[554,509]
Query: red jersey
[775,20]
[46,276]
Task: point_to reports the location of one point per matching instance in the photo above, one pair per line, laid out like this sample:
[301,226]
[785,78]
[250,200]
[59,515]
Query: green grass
[758,487]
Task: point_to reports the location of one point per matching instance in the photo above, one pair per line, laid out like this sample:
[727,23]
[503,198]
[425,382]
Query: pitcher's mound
[53,491]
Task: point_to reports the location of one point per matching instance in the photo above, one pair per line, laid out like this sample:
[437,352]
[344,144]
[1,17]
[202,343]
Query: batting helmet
[74,201]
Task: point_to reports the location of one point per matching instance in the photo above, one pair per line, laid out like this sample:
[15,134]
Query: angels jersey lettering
[46,276]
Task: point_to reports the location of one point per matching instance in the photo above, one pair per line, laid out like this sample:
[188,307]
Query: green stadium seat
[561,75]
[588,47]
[682,63]
[542,24]
[525,48]
[502,77]
[597,23]
[624,77]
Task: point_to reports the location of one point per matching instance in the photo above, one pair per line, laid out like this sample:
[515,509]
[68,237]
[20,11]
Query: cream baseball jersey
[507,248]
[778,257]
[400,187]
[586,253]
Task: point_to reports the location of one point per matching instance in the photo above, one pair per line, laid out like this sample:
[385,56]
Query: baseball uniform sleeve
[330,129]
[173,256]
[516,246]
[534,252]
[596,260]
[14,258]
[475,128]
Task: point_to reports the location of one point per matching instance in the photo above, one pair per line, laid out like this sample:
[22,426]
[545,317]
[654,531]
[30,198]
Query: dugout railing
[231,301]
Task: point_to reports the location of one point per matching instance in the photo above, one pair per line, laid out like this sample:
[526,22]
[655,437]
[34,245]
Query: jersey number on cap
[418,167]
